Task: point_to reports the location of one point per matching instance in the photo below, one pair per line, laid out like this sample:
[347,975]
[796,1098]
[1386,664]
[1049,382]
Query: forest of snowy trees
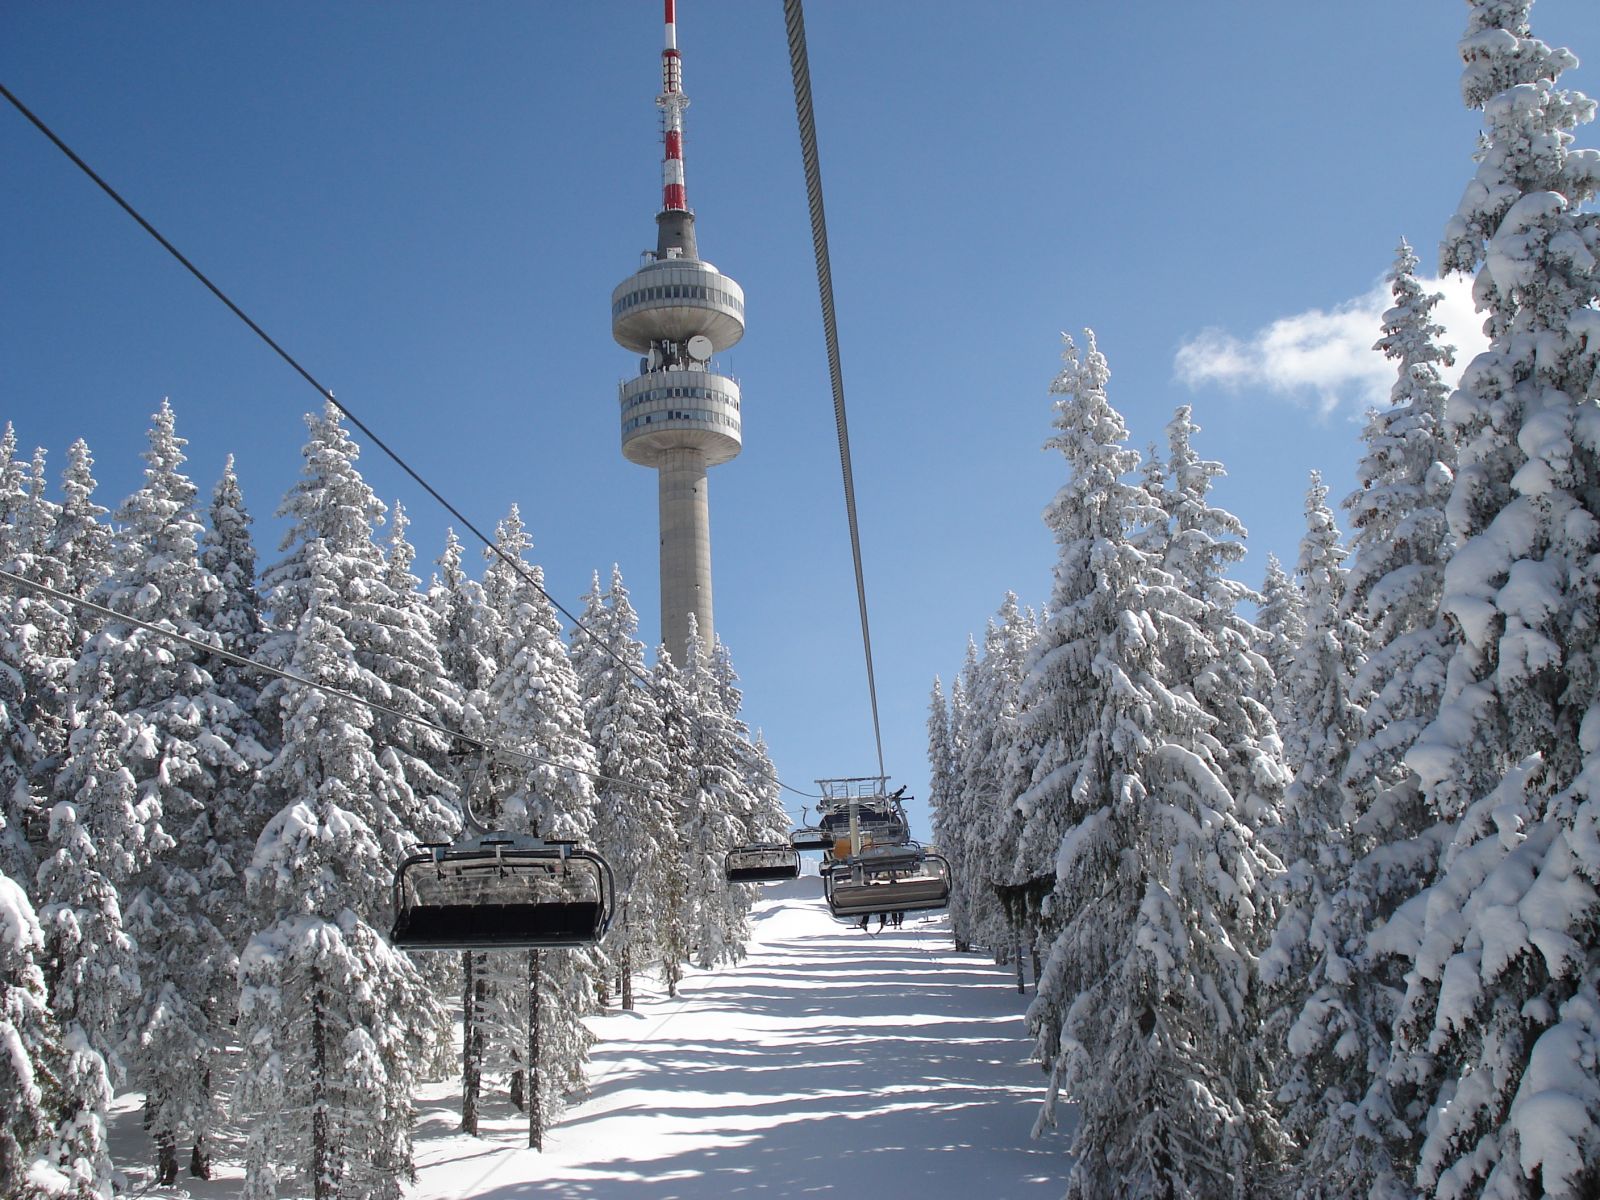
[1311,895]
[196,857]
[1313,900]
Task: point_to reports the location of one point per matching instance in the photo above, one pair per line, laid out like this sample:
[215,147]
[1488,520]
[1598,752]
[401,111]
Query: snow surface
[829,1062]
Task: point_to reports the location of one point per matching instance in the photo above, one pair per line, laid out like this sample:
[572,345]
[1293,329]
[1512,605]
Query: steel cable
[800,67]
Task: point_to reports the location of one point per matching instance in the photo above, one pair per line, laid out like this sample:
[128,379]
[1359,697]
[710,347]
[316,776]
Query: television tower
[679,415]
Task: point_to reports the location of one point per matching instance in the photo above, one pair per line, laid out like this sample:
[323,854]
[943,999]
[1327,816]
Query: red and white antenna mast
[672,102]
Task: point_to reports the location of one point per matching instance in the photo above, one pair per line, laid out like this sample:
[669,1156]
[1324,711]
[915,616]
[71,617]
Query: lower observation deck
[680,409]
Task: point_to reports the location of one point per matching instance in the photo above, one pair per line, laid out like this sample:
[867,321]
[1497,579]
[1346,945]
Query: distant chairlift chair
[811,839]
[502,891]
[762,862]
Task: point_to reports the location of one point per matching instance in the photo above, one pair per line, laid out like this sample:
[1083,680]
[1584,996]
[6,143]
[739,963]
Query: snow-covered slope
[829,1062]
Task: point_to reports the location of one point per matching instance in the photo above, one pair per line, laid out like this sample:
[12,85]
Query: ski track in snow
[828,1062]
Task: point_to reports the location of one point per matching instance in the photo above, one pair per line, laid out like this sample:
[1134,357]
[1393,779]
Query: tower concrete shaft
[685,547]
[680,415]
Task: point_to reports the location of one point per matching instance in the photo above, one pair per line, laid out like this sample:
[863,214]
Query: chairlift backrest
[762,862]
[502,892]
[912,881]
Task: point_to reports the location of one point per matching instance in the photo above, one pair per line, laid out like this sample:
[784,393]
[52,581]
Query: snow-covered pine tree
[81,542]
[762,805]
[1308,961]
[991,779]
[76,550]
[232,610]
[713,820]
[1145,1013]
[90,975]
[329,1014]
[26,671]
[98,839]
[32,1044]
[21,789]
[958,814]
[408,659]
[470,636]
[469,641]
[48,633]
[677,901]
[1281,624]
[1219,665]
[52,1140]
[1357,1133]
[532,1025]
[182,744]
[231,613]
[332,505]
[1400,542]
[1501,1018]
[635,820]
[941,765]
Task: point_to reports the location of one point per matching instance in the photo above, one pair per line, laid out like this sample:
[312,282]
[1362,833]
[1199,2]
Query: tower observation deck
[680,415]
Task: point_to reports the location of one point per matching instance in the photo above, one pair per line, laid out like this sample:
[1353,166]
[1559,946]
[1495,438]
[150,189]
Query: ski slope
[829,1062]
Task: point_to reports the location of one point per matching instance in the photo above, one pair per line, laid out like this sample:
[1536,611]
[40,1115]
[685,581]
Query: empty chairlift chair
[886,879]
[809,838]
[502,891]
[762,862]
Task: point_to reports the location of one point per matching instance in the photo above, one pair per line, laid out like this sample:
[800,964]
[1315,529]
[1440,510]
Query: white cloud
[1326,358]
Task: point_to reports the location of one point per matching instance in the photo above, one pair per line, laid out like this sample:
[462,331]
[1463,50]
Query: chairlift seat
[762,862]
[502,892]
[857,887]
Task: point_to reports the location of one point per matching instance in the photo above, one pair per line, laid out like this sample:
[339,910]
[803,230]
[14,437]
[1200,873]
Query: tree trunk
[625,981]
[518,1100]
[1022,982]
[323,1169]
[1033,952]
[535,1106]
[200,1160]
[471,1044]
[166,1160]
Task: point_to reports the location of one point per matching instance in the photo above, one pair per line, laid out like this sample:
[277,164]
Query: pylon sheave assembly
[502,891]
[860,808]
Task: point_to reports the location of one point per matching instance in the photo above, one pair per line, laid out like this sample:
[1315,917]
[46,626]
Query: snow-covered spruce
[1500,1025]
[1306,962]
[186,744]
[1146,1009]
[715,811]
[1000,886]
[1356,1132]
[330,1016]
[1281,626]
[532,1029]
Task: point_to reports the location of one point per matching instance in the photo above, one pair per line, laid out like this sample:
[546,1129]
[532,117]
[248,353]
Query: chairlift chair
[502,891]
[885,879]
[762,862]
[811,839]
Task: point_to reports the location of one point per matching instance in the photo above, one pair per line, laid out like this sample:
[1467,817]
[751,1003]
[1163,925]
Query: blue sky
[429,205]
